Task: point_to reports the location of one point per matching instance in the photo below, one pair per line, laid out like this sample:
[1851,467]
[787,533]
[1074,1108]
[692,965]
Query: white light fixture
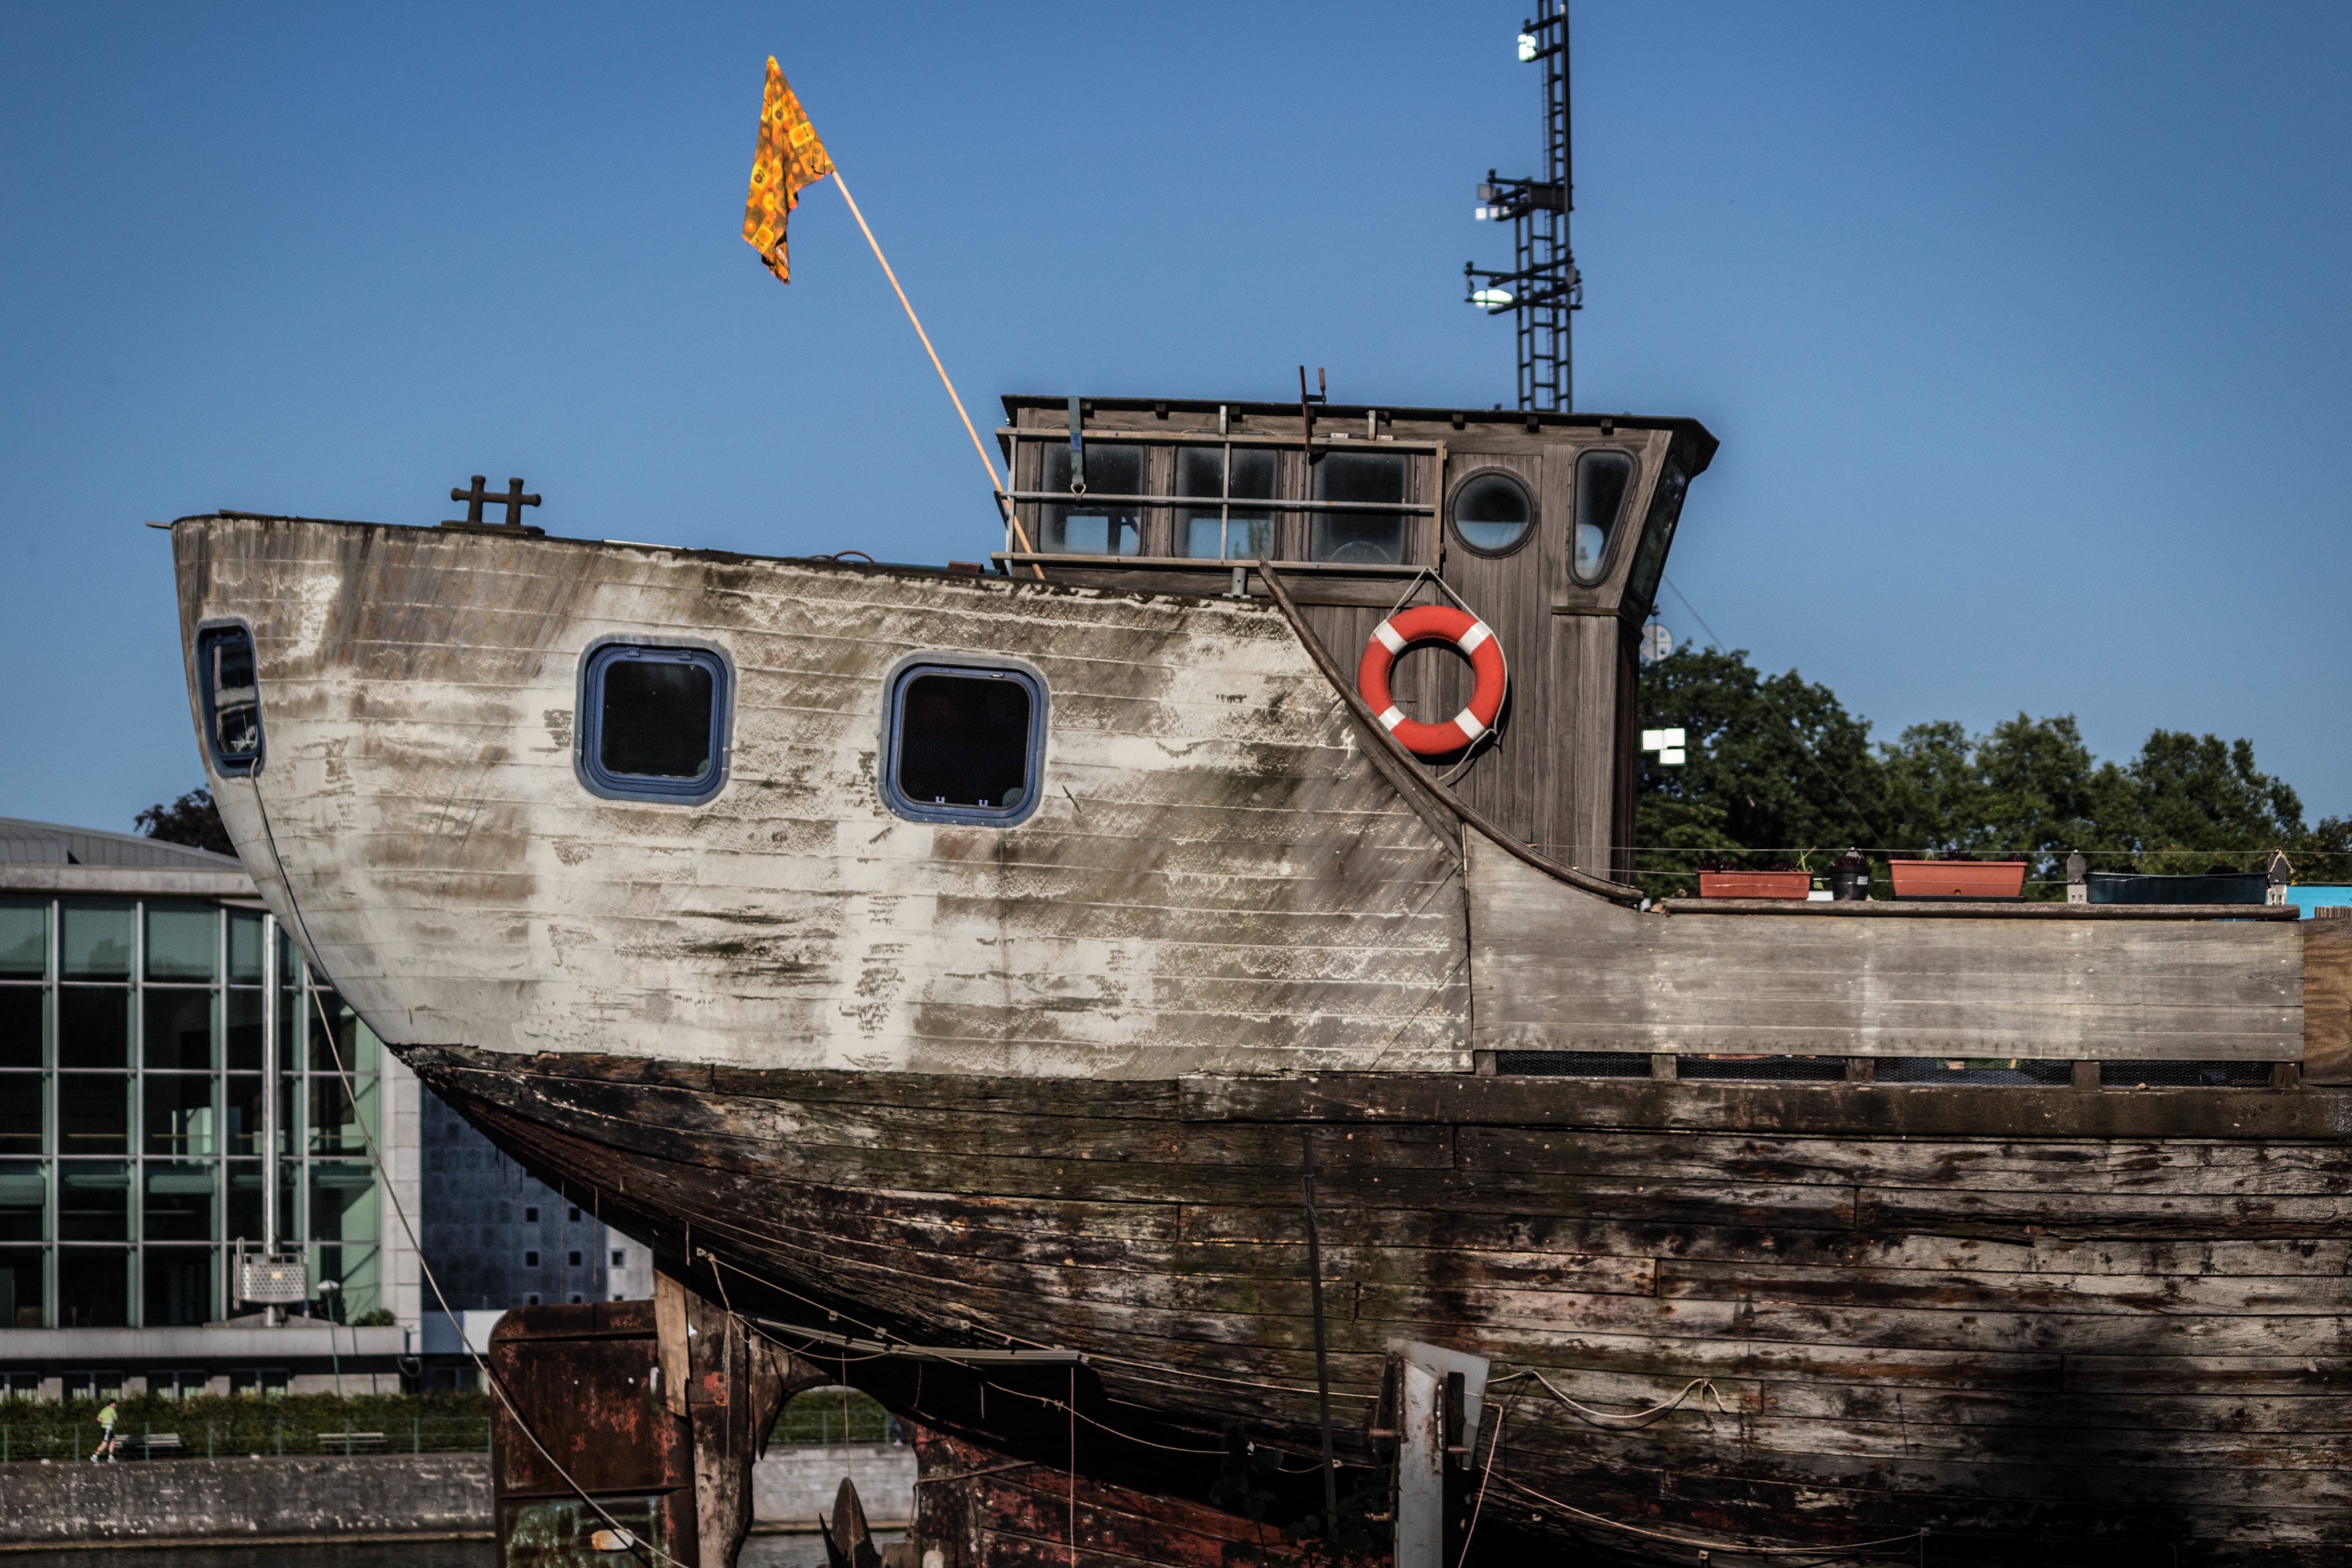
[1484,214]
[1527,46]
[1492,299]
[1670,745]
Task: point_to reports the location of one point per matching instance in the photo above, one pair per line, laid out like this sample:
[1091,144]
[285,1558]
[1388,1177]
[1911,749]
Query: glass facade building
[174,1083]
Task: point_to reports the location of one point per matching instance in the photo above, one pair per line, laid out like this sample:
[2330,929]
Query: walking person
[106,1419]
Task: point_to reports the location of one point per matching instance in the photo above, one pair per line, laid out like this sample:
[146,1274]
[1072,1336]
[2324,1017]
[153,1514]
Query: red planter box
[1956,878]
[1755,884]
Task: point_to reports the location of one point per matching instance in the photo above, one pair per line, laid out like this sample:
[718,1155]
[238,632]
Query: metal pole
[1322,1365]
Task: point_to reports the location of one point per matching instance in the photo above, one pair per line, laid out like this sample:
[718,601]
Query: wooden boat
[955,958]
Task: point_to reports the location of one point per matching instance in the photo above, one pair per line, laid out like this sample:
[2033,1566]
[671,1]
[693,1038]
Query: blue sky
[2023,327]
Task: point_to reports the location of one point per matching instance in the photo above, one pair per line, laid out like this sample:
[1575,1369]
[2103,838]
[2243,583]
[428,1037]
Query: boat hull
[1865,1312]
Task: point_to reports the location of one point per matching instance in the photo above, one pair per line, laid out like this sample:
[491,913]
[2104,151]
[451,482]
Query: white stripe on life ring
[1467,723]
[1468,643]
[1388,640]
[1392,717]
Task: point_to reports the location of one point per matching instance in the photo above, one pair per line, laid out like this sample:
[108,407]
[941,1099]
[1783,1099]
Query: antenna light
[1527,46]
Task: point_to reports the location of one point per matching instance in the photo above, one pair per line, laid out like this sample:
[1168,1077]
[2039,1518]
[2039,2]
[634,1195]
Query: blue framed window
[653,723]
[231,696]
[964,742]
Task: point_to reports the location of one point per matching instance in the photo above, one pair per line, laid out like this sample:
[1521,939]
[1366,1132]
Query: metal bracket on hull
[1442,1395]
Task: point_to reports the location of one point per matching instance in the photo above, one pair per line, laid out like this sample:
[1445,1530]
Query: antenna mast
[1543,285]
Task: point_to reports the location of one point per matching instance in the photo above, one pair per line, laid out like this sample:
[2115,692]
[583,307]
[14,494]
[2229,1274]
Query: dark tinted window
[179,1029]
[232,698]
[1666,511]
[1601,480]
[93,1113]
[655,723]
[963,745]
[20,1026]
[964,741]
[1369,537]
[93,1027]
[1491,513]
[93,1288]
[1095,528]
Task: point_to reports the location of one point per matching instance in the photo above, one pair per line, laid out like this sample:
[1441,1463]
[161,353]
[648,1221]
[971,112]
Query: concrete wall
[398,1494]
[249,1499]
[792,1486]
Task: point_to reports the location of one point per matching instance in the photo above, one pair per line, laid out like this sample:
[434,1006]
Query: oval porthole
[1602,481]
[1493,513]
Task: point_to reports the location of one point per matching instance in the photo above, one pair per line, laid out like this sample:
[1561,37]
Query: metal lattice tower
[1543,285]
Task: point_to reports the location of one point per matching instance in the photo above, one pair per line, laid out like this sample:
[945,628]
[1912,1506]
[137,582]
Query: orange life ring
[1434,623]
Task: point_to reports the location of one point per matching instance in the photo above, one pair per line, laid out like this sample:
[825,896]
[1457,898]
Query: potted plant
[1957,876]
[1720,880]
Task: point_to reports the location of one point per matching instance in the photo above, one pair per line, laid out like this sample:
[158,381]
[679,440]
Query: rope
[1905,1540]
[1002,489]
[1634,1420]
[490,1374]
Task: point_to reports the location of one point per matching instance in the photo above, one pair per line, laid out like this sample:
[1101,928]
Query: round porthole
[1493,513]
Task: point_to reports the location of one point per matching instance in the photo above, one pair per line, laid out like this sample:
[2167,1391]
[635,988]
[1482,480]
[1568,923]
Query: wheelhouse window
[1082,527]
[232,698]
[1658,537]
[1603,480]
[963,744]
[1226,474]
[1492,512]
[1374,536]
[653,722]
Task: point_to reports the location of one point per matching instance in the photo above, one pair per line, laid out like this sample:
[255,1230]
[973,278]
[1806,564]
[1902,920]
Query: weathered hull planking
[1045,1084]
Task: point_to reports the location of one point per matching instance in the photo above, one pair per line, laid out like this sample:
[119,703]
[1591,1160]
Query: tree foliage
[1779,773]
[192,820]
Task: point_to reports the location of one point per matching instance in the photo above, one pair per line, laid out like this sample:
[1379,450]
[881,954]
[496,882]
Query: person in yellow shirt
[106,1419]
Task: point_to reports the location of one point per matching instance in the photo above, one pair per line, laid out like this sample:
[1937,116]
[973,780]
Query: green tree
[1776,765]
[1780,773]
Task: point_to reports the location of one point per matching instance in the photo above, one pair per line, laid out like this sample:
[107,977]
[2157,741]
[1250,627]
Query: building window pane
[97,941]
[963,745]
[241,1030]
[1602,478]
[336,1118]
[179,1204]
[24,940]
[1094,528]
[24,1204]
[244,948]
[179,1029]
[241,1113]
[93,1200]
[93,1027]
[353,1046]
[244,1222]
[179,1119]
[93,1113]
[21,1009]
[1371,538]
[182,942]
[21,1289]
[20,1114]
[179,1286]
[343,1203]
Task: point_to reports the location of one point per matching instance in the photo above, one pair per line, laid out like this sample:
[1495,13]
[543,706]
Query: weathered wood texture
[2126,1338]
[1552,972]
[2327,1000]
[1217,875]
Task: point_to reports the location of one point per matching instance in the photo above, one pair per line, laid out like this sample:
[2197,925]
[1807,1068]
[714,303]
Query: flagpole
[1003,490]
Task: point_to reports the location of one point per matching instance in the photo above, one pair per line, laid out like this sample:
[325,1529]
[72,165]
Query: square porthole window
[231,696]
[653,723]
[963,742]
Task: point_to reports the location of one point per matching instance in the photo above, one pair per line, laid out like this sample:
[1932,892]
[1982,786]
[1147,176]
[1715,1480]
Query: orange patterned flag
[789,157]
